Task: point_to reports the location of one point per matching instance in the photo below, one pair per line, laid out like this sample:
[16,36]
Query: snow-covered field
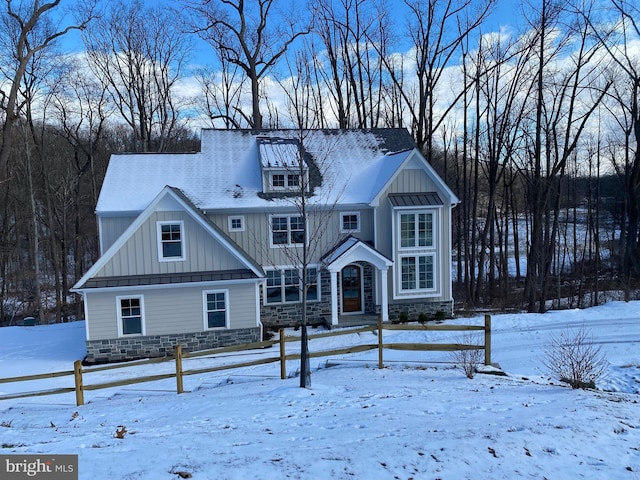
[410,420]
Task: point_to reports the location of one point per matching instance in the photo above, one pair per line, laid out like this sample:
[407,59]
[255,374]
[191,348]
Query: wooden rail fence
[79,371]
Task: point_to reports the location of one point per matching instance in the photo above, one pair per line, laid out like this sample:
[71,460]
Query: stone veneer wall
[415,308]
[290,314]
[134,348]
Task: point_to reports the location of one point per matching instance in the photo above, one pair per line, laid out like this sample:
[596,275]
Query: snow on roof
[278,152]
[226,174]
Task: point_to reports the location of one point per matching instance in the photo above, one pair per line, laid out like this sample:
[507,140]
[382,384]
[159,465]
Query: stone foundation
[414,308]
[135,348]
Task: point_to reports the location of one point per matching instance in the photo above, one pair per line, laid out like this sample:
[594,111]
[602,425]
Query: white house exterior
[203,249]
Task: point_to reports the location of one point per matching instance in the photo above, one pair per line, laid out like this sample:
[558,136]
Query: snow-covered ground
[410,420]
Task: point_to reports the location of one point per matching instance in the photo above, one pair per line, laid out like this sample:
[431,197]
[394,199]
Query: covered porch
[352,301]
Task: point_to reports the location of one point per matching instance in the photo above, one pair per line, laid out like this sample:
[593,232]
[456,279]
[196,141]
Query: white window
[287,230]
[287,180]
[216,309]
[130,315]
[416,229]
[236,223]
[171,241]
[350,222]
[417,273]
[293,180]
[277,180]
[285,286]
[418,267]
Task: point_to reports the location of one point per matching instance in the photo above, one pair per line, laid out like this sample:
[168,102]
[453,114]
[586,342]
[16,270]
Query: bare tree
[27,28]
[252,38]
[563,110]
[141,52]
[223,95]
[82,108]
[355,37]
[615,37]
[30,30]
[438,29]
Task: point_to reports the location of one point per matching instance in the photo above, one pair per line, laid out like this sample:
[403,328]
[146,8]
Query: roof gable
[414,159]
[171,198]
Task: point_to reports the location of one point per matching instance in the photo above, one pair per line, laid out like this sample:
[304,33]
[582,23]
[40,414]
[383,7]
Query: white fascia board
[415,153]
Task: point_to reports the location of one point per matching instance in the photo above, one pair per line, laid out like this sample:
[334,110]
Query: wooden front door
[351,297]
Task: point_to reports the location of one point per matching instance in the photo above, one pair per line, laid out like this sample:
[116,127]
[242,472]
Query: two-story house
[206,249]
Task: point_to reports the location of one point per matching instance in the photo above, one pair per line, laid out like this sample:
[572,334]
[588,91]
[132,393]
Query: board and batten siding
[111,228]
[416,180]
[255,240]
[139,255]
[178,309]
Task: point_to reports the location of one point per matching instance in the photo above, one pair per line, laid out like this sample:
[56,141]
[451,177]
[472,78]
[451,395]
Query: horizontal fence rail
[179,356]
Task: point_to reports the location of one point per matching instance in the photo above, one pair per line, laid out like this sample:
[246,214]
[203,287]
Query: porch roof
[353,250]
[429,199]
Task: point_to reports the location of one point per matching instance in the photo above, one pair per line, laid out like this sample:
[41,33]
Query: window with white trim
[236,223]
[293,180]
[416,229]
[416,242]
[171,241]
[130,315]
[417,273]
[287,230]
[285,286]
[286,180]
[350,222]
[216,309]
[277,180]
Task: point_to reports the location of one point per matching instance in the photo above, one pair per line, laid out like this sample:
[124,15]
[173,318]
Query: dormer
[284,170]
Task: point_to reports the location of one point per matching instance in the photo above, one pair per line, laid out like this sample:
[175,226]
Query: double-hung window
[285,286]
[287,230]
[130,315]
[171,241]
[215,309]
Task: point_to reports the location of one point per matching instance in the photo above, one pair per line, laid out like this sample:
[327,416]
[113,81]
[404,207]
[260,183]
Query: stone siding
[290,314]
[134,348]
[416,307]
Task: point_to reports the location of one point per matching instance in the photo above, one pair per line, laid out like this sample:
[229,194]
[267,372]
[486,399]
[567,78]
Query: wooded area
[535,127]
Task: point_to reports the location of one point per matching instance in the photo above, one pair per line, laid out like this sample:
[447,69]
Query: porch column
[334,297]
[385,294]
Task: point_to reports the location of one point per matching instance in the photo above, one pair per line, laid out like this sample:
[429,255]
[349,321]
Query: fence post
[380,364]
[487,339]
[178,354]
[283,363]
[77,375]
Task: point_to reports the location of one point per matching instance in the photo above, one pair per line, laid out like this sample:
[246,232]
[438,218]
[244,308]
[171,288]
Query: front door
[351,298]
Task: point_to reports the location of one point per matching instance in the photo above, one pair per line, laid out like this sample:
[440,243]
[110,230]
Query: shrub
[572,357]
[468,360]
[422,318]
[404,317]
[440,315]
